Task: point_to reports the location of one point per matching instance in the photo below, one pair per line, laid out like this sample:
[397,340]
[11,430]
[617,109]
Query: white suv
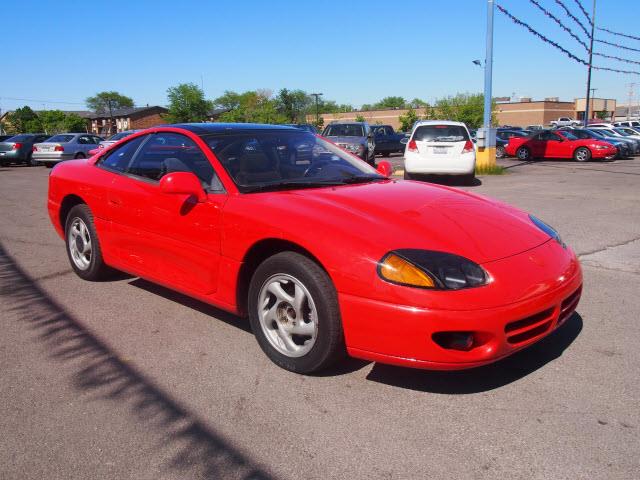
[439,147]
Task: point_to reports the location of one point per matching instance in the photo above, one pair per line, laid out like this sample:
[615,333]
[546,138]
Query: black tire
[582,154]
[96,269]
[50,165]
[500,152]
[468,179]
[79,155]
[329,344]
[523,153]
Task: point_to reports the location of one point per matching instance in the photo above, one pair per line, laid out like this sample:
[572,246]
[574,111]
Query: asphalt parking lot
[124,379]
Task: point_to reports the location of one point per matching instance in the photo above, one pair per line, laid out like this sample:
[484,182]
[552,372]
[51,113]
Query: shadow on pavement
[449,180]
[485,378]
[194,448]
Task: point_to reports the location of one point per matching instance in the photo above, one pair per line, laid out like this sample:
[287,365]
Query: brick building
[127,119]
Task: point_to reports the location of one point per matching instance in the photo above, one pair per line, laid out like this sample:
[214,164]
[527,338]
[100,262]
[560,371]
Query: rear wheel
[523,153]
[83,247]
[582,154]
[79,155]
[294,313]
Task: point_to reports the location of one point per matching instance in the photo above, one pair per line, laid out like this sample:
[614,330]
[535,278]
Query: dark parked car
[354,137]
[388,141]
[5,137]
[18,149]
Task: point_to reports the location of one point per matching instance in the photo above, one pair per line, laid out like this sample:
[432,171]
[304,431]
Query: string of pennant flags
[560,24]
[568,53]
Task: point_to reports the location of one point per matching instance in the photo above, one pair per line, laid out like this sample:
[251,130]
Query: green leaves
[107,102]
[187,104]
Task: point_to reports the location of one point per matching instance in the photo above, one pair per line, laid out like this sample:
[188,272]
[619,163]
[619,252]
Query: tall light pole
[486,135]
[317,95]
[593,29]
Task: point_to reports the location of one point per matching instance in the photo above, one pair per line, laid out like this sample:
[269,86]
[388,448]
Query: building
[533,112]
[627,112]
[373,117]
[126,119]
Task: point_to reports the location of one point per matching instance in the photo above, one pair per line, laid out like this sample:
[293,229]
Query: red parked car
[559,144]
[324,254]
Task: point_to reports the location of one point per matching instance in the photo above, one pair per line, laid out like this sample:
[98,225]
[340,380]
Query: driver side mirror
[404,140]
[183,183]
[384,168]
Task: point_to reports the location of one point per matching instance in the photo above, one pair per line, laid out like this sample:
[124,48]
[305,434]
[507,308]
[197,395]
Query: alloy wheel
[288,315]
[79,241]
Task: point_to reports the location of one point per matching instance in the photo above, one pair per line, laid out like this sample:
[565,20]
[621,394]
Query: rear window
[20,138]
[61,138]
[120,136]
[441,133]
[344,130]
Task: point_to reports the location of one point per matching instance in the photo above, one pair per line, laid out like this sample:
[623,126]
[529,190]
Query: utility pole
[631,91]
[593,29]
[317,95]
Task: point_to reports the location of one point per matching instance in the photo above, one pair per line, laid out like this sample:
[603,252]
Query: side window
[40,138]
[119,158]
[171,152]
[83,140]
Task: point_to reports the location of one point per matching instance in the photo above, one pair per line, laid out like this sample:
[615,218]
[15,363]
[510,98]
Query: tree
[390,102]
[254,106]
[53,121]
[602,115]
[75,123]
[418,103]
[330,106]
[107,102]
[463,107]
[187,104]
[294,104]
[407,120]
[360,118]
[22,120]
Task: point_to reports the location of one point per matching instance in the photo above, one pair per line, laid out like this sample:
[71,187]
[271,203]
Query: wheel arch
[255,255]
[68,202]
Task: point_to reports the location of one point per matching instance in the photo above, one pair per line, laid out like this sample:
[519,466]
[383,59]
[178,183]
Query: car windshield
[596,133]
[19,138]
[627,132]
[60,138]
[441,133]
[608,133]
[344,130]
[569,135]
[277,160]
[119,136]
[581,134]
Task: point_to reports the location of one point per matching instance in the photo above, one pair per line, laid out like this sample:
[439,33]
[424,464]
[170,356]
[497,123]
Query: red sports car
[324,254]
[559,144]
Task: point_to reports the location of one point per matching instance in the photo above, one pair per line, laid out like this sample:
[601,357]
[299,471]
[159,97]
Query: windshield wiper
[362,179]
[289,184]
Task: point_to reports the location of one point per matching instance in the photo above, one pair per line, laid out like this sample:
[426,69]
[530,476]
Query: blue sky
[354,51]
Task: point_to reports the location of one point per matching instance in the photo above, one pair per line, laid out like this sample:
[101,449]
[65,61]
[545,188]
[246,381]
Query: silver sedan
[64,146]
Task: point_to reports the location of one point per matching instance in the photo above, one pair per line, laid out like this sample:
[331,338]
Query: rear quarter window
[441,133]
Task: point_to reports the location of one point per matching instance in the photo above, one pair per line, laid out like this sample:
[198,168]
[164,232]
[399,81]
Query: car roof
[439,122]
[203,128]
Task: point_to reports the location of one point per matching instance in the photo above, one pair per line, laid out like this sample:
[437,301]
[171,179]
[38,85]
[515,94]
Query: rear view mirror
[385,169]
[184,183]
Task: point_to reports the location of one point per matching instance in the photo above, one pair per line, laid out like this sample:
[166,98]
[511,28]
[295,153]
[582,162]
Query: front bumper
[604,153]
[406,335]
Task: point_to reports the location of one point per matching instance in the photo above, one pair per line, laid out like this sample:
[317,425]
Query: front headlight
[429,269]
[549,230]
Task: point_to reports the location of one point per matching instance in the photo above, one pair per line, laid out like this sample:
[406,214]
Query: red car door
[172,239]
[538,145]
[557,146]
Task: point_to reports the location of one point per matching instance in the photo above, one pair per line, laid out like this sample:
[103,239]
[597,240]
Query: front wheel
[83,247]
[582,154]
[523,153]
[500,152]
[294,313]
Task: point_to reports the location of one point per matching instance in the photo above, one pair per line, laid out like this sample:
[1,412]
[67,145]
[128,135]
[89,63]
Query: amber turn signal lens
[398,270]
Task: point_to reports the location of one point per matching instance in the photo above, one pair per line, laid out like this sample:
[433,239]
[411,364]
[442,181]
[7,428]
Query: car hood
[405,214]
[355,140]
